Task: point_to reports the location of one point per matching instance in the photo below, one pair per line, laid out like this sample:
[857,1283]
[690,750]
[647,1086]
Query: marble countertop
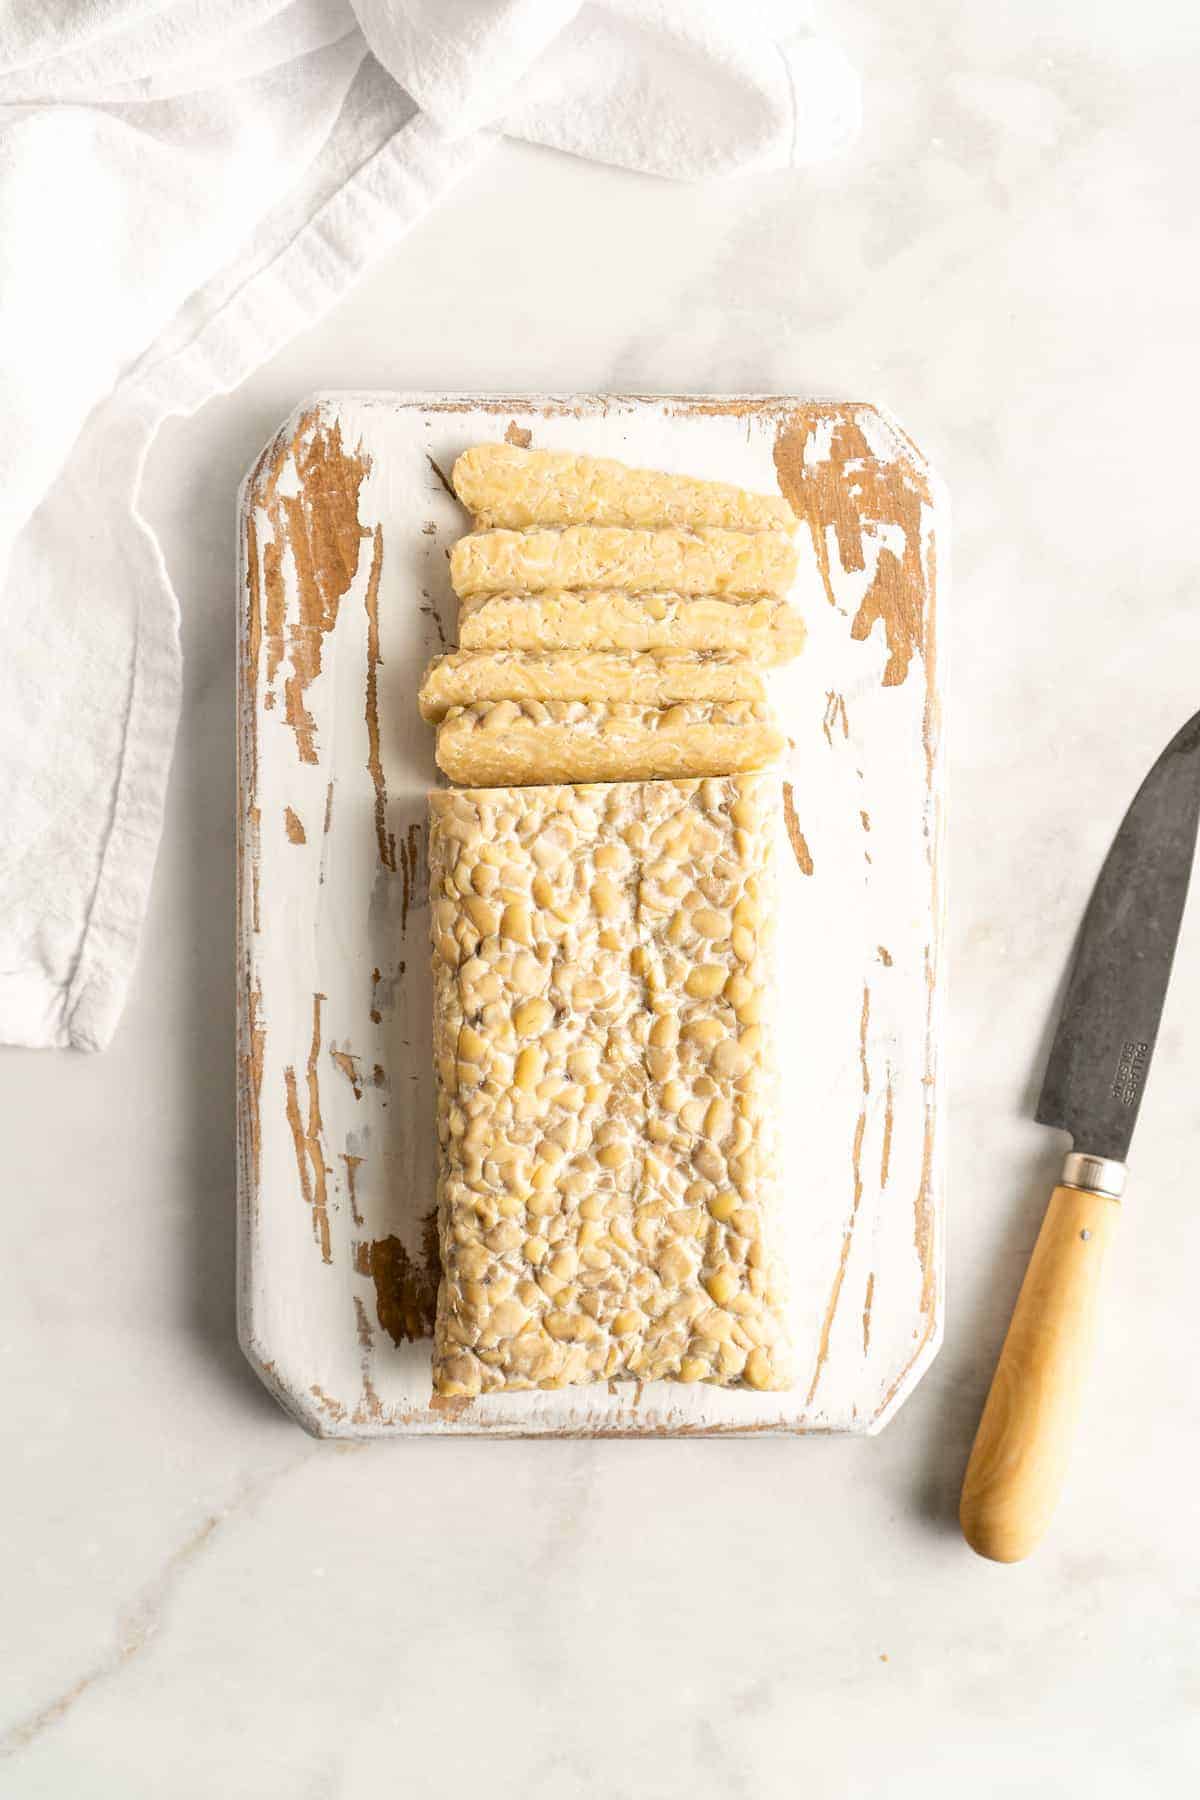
[199,1600]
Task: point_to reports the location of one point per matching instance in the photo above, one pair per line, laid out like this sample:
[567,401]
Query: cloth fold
[183,187]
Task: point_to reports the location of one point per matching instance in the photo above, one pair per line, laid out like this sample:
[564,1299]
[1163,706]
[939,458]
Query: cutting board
[347,519]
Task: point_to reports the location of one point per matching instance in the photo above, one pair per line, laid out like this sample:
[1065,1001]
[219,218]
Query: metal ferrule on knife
[1095,1174]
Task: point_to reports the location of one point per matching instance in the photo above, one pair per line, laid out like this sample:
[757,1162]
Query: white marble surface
[200,1601]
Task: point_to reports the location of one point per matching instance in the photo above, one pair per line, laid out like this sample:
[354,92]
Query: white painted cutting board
[346,524]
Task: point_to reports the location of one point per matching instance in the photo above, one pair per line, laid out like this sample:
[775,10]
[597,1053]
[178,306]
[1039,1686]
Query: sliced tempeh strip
[516,743]
[503,485]
[608,1172]
[708,561]
[768,631]
[654,678]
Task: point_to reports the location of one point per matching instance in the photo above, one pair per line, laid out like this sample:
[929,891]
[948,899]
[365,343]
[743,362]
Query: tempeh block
[503,485]
[608,1171]
[766,631]
[707,561]
[516,743]
[644,678]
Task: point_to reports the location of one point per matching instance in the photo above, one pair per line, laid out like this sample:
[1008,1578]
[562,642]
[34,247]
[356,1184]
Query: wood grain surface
[346,523]
[1023,1446]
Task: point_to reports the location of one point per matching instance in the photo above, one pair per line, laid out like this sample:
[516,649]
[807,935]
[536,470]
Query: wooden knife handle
[1023,1443]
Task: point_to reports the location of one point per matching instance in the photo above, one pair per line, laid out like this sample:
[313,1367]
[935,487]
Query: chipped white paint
[336,1085]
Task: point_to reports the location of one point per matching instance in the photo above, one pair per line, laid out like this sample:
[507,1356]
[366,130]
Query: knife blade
[1096,1072]
[1094,1082]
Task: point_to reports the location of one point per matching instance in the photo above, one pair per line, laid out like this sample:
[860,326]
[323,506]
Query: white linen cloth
[184,184]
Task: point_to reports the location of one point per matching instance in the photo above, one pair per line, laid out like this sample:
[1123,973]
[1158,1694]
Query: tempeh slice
[707,561]
[504,485]
[608,1177]
[515,743]
[767,631]
[645,679]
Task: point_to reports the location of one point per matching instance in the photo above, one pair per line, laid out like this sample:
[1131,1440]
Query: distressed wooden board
[346,521]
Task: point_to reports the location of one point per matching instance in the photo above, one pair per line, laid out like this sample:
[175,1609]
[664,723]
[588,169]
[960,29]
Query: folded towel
[185,184]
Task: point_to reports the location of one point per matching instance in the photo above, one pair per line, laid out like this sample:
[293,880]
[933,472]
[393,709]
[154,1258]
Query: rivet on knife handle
[1024,1439]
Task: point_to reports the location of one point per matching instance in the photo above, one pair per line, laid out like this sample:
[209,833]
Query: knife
[1093,1087]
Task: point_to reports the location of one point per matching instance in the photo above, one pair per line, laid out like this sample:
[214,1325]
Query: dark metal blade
[1097,1070]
